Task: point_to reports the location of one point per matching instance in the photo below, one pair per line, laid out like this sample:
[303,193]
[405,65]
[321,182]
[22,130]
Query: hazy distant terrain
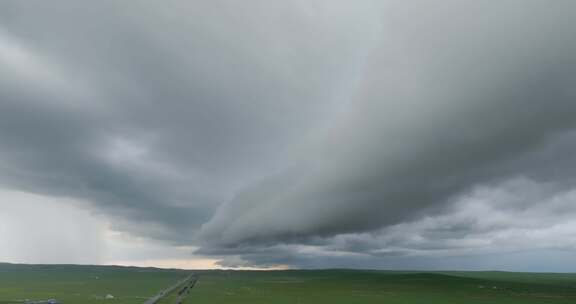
[91,284]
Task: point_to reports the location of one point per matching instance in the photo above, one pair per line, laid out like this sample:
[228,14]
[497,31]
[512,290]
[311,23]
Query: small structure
[109,297]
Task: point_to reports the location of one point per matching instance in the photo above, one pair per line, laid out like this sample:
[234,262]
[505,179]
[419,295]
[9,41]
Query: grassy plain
[354,286]
[82,284]
[90,284]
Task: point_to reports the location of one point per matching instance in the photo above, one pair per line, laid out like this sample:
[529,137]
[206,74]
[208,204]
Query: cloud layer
[307,133]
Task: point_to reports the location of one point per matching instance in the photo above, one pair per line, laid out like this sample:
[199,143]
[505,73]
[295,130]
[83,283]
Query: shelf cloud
[301,133]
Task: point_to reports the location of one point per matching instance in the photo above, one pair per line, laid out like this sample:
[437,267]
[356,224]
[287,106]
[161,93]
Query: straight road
[165,292]
[183,293]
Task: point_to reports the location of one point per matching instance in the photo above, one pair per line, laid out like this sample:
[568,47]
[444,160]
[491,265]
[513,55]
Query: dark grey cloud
[485,229]
[446,104]
[158,113]
[308,133]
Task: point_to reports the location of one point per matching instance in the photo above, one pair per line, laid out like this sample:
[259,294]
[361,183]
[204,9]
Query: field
[344,286]
[90,284]
[82,284]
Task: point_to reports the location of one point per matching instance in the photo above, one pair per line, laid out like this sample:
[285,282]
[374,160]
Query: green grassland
[89,284]
[348,286]
[82,284]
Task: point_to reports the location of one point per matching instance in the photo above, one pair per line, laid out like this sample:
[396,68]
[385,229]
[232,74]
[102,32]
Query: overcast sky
[292,133]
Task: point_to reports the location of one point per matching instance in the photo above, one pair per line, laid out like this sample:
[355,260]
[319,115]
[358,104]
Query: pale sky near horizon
[296,133]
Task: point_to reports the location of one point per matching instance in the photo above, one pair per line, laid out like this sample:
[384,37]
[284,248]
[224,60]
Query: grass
[82,284]
[89,284]
[346,286]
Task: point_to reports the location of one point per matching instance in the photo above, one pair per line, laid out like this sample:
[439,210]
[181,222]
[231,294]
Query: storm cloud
[302,133]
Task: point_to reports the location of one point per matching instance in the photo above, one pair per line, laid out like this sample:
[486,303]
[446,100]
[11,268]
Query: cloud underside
[300,133]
